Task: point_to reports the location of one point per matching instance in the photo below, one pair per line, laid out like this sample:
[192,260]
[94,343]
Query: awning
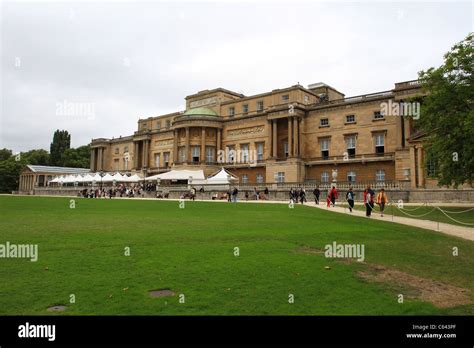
[179,175]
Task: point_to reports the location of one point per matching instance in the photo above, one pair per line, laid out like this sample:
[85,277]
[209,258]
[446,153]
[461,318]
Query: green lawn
[464,215]
[191,251]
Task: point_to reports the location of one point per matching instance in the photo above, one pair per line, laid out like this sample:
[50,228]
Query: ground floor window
[351,176]
[280,177]
[245,178]
[380,175]
[196,153]
[209,154]
[259,179]
[157,160]
[324,177]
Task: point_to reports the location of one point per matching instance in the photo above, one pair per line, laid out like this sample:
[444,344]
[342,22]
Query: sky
[94,68]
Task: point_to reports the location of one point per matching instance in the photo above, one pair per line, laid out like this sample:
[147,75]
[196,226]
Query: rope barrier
[416,216]
[459,222]
[456,212]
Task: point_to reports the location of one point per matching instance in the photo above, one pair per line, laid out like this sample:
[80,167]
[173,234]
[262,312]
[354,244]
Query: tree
[447,115]
[77,158]
[61,142]
[5,154]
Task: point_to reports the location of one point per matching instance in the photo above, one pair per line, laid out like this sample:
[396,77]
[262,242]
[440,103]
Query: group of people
[370,199]
[297,195]
[110,192]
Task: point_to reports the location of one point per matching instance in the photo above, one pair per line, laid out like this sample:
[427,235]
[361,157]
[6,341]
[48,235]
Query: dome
[200,112]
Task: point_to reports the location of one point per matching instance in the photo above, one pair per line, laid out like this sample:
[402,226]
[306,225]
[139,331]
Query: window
[380,175]
[244,148]
[158,125]
[285,148]
[285,98]
[351,176]
[259,151]
[350,119]
[431,168]
[379,143]
[144,126]
[324,177]
[117,150]
[245,109]
[195,150]
[378,115]
[116,164]
[209,154]
[306,99]
[125,149]
[125,163]
[182,154]
[168,123]
[324,122]
[260,106]
[325,148]
[280,177]
[157,160]
[351,146]
[231,111]
[245,178]
[230,153]
[259,179]
[166,159]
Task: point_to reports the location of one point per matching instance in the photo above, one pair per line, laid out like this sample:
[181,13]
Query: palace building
[291,135]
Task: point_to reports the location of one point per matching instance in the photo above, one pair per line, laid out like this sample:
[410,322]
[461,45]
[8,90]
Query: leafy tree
[5,154]
[447,115]
[77,158]
[61,142]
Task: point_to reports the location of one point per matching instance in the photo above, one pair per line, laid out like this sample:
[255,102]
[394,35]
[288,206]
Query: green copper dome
[200,112]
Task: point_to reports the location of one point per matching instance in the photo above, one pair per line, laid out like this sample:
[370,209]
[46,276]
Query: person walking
[382,199]
[368,201]
[350,199]
[316,194]
[292,195]
[302,196]
[333,195]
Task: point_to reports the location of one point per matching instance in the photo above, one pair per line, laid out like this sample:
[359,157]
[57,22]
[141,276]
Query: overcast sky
[94,68]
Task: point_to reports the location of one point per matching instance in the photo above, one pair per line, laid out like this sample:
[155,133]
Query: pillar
[270,129]
[413,182]
[274,138]
[290,143]
[175,146]
[135,155]
[145,154]
[295,136]
[187,145]
[421,167]
[92,165]
[203,145]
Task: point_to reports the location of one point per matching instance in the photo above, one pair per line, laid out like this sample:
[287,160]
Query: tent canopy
[222,177]
[178,175]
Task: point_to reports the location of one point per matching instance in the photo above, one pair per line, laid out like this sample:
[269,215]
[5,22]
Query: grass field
[191,252]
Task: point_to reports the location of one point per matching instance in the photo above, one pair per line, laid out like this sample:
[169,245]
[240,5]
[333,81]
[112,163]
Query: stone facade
[290,135]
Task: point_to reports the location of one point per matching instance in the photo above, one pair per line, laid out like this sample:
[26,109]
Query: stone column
[175,145]
[413,168]
[203,145]
[274,138]
[290,142]
[270,129]
[421,167]
[145,153]
[135,155]
[295,137]
[99,159]
[187,145]
[92,165]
